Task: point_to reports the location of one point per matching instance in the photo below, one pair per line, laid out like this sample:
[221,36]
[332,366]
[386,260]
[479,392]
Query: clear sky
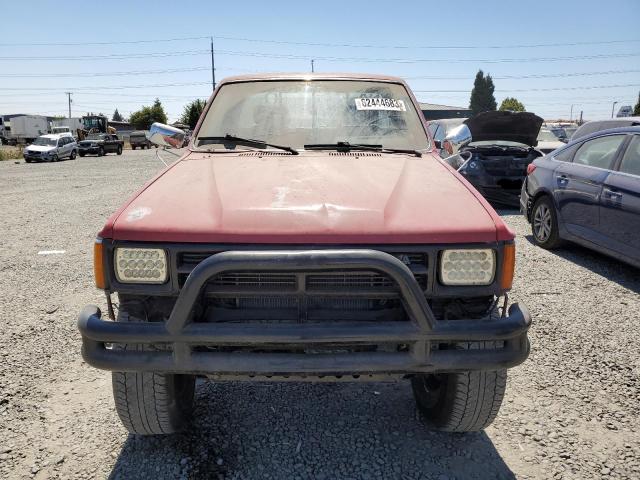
[548,54]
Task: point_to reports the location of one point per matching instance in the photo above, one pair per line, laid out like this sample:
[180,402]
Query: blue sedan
[588,192]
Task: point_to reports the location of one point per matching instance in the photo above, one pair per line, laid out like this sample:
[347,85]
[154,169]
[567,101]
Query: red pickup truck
[309,233]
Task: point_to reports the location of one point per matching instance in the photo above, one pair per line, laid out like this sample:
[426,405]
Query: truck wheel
[153,403]
[460,402]
[544,224]
[119,152]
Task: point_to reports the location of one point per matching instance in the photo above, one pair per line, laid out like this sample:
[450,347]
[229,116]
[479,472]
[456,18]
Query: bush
[10,153]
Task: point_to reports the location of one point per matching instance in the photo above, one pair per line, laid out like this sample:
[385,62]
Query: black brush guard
[419,333]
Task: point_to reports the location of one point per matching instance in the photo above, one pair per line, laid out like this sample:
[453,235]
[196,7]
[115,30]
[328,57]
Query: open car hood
[521,127]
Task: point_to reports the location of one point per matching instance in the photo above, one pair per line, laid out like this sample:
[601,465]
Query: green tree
[512,104]
[482,99]
[116,117]
[143,118]
[192,113]
[636,109]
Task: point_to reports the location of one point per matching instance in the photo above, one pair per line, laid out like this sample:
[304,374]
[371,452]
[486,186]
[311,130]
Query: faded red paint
[311,198]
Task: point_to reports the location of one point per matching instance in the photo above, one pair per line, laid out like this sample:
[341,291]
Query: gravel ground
[571,411]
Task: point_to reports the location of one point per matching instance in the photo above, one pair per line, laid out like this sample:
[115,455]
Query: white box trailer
[67,125]
[26,128]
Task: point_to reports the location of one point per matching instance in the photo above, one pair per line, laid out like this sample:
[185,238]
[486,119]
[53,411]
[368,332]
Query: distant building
[432,111]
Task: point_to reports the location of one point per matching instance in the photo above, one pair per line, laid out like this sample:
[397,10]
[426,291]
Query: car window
[439,133]
[567,154]
[599,152]
[631,160]
[60,142]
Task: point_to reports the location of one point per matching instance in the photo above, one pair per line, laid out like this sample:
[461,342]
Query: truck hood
[521,127]
[315,197]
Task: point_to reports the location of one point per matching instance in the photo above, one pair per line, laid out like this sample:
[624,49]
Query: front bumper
[88,149]
[421,335]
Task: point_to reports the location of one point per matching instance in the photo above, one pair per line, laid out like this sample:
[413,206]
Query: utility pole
[312,69]
[612,108]
[213,68]
[69,95]
[571,114]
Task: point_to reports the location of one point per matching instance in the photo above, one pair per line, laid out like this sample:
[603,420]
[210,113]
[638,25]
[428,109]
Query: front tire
[460,402]
[119,152]
[101,152]
[73,155]
[153,403]
[544,224]
[81,154]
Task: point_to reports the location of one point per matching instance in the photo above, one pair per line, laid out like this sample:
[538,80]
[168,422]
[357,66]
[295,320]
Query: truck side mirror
[456,139]
[166,135]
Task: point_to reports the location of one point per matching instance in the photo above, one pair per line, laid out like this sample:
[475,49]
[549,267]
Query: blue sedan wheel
[544,224]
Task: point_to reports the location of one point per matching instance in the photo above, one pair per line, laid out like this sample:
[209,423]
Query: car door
[67,146]
[579,183]
[620,202]
[60,147]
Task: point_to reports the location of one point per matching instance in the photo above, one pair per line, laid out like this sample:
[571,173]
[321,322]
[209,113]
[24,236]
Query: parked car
[494,150]
[599,125]
[548,142]
[140,139]
[51,148]
[589,193]
[100,144]
[311,233]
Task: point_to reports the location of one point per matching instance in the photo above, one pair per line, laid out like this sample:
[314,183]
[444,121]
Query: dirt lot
[571,411]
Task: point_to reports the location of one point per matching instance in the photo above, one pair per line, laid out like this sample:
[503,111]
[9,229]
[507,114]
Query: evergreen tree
[192,112]
[636,109]
[116,117]
[482,99]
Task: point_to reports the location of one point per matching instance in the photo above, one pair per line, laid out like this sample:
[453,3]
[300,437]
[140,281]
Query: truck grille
[302,296]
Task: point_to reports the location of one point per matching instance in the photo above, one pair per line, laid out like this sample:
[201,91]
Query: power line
[208,68]
[518,77]
[122,42]
[113,87]
[424,60]
[425,47]
[111,56]
[103,74]
[327,58]
[536,89]
[323,44]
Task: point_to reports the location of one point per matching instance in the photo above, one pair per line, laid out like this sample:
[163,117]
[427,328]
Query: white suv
[51,148]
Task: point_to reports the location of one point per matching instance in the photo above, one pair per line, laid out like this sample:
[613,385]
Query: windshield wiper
[249,142]
[346,147]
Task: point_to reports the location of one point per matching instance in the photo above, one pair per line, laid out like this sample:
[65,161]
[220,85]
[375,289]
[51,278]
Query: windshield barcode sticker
[380,104]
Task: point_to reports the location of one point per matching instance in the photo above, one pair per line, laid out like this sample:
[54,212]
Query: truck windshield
[299,112]
[45,142]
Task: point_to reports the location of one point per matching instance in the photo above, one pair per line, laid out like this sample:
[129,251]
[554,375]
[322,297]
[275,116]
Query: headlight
[467,267]
[141,265]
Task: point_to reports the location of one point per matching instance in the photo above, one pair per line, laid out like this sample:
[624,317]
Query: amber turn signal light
[98,265]
[508,266]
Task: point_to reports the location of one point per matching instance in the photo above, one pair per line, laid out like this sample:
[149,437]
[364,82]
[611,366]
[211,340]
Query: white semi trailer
[26,128]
